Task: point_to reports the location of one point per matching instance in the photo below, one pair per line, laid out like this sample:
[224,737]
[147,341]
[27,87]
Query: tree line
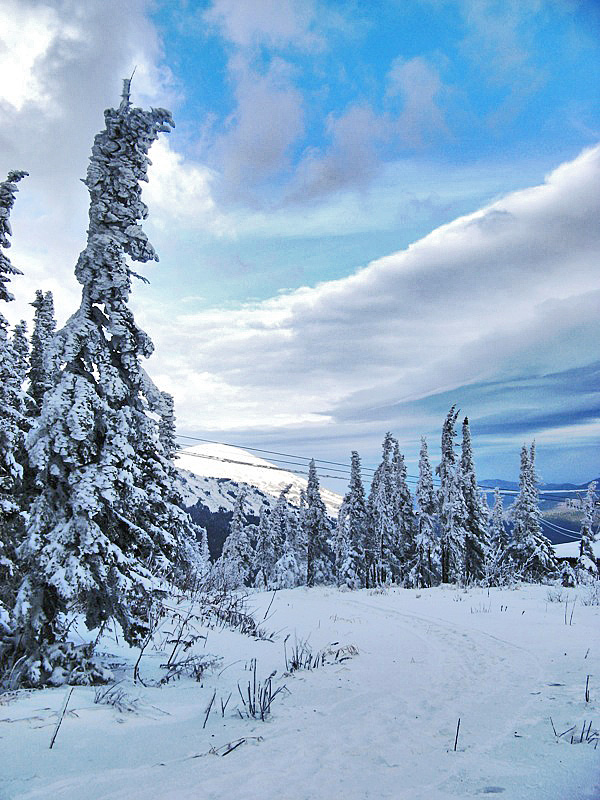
[444,534]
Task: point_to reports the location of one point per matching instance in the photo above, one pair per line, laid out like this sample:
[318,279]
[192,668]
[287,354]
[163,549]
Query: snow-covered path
[381,725]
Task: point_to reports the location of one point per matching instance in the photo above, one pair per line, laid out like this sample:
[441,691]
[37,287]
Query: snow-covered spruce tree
[318,530]
[263,560]
[426,563]
[500,569]
[381,517]
[43,372]
[499,537]
[204,550]
[281,534]
[404,518]
[105,526]
[289,543]
[586,567]
[8,190]
[477,544]
[452,508]
[235,562]
[529,550]
[11,471]
[351,531]
[20,346]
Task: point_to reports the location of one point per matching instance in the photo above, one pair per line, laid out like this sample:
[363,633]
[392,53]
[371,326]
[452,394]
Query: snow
[225,461]
[571,549]
[218,493]
[379,725]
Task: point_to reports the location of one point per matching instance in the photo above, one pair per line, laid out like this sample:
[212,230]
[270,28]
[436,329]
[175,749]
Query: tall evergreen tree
[499,537]
[425,567]
[530,550]
[290,568]
[106,524]
[477,545]
[586,566]
[43,371]
[381,517]
[403,518]
[453,511]
[289,543]
[263,562]
[11,472]
[237,556]
[20,346]
[204,550]
[318,530]
[501,568]
[8,190]
[351,531]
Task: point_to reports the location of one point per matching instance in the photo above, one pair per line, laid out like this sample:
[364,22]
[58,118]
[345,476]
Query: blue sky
[366,213]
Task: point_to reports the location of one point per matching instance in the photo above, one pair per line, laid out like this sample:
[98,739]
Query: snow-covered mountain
[223,461]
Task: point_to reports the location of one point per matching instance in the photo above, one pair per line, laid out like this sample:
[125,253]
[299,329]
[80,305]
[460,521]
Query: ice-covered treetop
[118,163]
[8,190]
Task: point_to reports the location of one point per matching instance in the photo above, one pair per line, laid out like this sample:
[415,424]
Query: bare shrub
[591,594]
[115,696]
[258,696]
[194,666]
[301,656]
[555,594]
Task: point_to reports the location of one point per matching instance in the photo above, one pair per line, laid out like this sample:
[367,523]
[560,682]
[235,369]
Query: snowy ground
[379,725]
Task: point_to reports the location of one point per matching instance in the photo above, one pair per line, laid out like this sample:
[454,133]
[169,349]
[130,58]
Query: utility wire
[271,452]
[559,493]
[559,528]
[258,466]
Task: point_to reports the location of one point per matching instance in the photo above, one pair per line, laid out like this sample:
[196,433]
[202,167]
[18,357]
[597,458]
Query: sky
[367,212]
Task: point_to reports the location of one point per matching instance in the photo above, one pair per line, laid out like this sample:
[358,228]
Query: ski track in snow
[381,725]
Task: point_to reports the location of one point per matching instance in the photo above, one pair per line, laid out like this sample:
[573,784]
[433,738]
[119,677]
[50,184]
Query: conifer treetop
[118,163]
[8,190]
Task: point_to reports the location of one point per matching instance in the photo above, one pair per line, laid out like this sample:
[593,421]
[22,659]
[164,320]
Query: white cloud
[180,192]
[26,34]
[419,85]
[276,23]
[267,121]
[509,290]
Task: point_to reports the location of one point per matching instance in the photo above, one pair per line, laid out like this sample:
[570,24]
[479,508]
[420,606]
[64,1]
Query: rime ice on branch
[8,190]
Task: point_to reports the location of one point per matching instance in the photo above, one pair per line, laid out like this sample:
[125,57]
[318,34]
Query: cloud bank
[506,293]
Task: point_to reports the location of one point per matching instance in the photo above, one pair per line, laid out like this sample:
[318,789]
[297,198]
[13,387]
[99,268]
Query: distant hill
[236,464]
[493,483]
[209,502]
[211,477]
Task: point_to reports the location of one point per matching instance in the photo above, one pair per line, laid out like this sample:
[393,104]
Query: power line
[560,529]
[559,493]
[271,452]
[258,466]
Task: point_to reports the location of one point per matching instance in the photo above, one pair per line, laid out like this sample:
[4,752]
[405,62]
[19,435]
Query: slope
[236,464]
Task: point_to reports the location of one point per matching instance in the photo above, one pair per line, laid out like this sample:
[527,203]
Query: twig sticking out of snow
[208,708]
[61,716]
[587,689]
[456,737]
[270,604]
